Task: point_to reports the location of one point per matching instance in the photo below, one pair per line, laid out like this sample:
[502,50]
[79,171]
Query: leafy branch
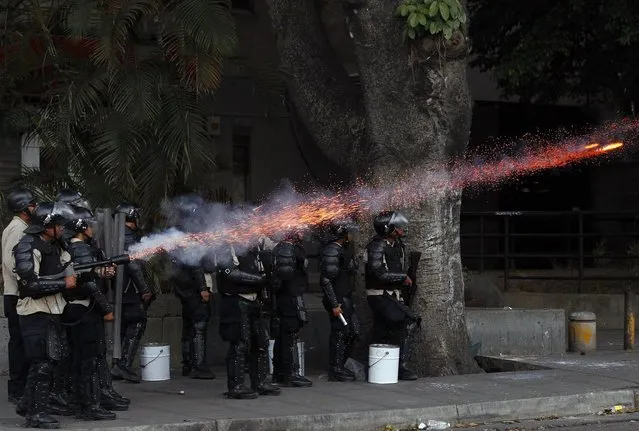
[431,17]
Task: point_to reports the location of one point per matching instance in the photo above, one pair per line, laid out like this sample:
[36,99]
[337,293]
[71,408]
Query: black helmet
[130,210]
[386,222]
[80,221]
[187,205]
[340,229]
[20,199]
[49,214]
[186,213]
[73,198]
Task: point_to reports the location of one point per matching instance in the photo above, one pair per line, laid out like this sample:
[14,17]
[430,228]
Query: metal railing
[582,227]
[507,237]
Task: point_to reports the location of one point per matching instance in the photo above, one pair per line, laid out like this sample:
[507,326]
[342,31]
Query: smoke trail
[285,210]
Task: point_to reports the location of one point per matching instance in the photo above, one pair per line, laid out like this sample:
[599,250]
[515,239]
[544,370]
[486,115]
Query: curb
[526,408]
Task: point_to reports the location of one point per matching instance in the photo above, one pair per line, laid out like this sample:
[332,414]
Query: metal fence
[511,240]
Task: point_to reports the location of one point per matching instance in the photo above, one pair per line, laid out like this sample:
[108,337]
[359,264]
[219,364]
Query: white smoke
[217,218]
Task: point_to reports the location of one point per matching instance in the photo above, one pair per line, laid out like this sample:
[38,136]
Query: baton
[341,317]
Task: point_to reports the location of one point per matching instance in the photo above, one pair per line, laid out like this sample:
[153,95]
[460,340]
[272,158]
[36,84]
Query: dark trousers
[86,331]
[195,319]
[393,323]
[342,338]
[131,331]
[45,347]
[18,365]
[243,327]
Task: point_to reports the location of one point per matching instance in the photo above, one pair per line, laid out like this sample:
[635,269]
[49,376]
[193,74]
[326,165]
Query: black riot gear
[42,332]
[289,284]
[80,222]
[84,316]
[49,214]
[73,198]
[130,210]
[190,287]
[20,200]
[241,280]
[338,268]
[386,222]
[136,298]
[386,273]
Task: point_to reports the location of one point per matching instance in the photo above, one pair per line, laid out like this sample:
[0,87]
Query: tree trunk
[318,85]
[417,115]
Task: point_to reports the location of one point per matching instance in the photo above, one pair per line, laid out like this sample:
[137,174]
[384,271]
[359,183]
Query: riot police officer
[289,284]
[84,314]
[190,287]
[21,203]
[62,391]
[241,280]
[73,198]
[38,256]
[136,298]
[386,275]
[338,268]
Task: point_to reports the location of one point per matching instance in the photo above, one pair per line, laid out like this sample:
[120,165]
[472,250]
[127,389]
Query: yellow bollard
[582,329]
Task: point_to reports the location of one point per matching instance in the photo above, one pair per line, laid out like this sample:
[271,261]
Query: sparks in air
[310,210]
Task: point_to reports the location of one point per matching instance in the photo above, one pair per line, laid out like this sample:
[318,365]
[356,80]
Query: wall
[607,308]
[517,332]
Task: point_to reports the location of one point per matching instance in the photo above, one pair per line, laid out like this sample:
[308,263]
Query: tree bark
[417,116]
[318,85]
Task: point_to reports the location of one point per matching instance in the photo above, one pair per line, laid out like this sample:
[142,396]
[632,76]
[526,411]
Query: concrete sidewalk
[567,389]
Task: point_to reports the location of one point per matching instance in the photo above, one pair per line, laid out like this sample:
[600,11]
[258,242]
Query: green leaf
[448,33]
[402,10]
[411,33]
[462,18]
[434,8]
[412,20]
[422,20]
[456,24]
[444,11]
[454,11]
[433,27]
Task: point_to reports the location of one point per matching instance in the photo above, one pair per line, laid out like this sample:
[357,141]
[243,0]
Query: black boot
[337,351]
[235,363]
[200,368]
[106,385]
[187,359]
[109,403]
[40,381]
[241,392]
[59,403]
[290,375]
[258,371]
[405,353]
[89,391]
[123,369]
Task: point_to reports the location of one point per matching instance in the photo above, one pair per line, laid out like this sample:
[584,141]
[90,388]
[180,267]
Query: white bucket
[299,360]
[383,363]
[155,362]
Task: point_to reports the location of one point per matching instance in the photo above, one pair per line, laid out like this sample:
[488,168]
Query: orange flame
[612,146]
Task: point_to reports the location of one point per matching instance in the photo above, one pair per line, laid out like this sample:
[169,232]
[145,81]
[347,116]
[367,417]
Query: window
[245,5]
[241,163]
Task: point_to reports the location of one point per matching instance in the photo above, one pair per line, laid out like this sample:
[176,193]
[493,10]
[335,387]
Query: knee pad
[201,325]
[45,368]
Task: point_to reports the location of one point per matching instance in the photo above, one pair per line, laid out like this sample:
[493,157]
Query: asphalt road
[617,422]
